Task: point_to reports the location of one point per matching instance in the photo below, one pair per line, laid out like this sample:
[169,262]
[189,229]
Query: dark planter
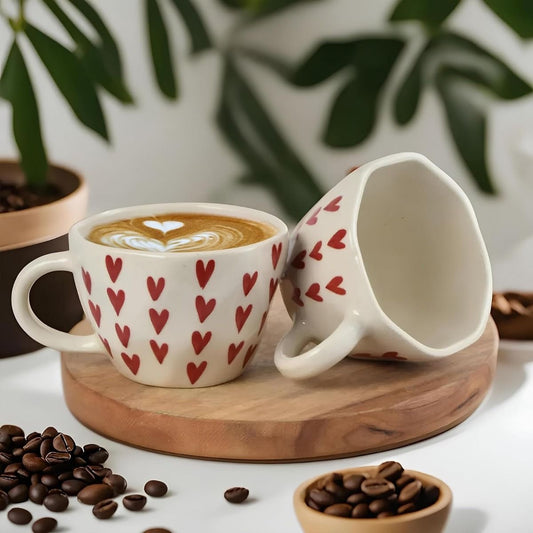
[28,234]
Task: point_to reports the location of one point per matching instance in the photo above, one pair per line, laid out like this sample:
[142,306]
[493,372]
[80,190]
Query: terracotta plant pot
[30,233]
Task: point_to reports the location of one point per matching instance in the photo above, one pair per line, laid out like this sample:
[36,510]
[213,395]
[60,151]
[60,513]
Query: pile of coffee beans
[48,467]
[388,492]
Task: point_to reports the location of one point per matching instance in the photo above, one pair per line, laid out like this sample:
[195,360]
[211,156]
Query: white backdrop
[165,151]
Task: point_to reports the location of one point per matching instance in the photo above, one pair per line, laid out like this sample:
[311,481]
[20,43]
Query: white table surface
[486,460]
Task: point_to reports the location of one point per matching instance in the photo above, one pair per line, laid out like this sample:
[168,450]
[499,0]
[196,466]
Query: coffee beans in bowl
[375,499]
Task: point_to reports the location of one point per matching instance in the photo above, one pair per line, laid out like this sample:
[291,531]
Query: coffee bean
[37,493]
[386,514]
[49,432]
[380,505]
[95,454]
[44,525]
[12,431]
[237,494]
[12,468]
[311,503]
[4,500]
[84,474]
[322,497]
[361,510]
[105,509]
[157,530]
[17,452]
[56,503]
[50,481]
[5,437]
[335,477]
[63,443]
[33,445]
[18,441]
[134,502]
[431,494]
[352,482]
[57,491]
[35,478]
[117,483]
[92,494]
[8,481]
[19,516]
[46,447]
[65,475]
[18,494]
[33,462]
[6,458]
[357,498]
[390,470]
[157,488]
[339,492]
[32,435]
[99,471]
[377,487]
[72,486]
[78,451]
[410,492]
[57,458]
[405,479]
[407,508]
[339,509]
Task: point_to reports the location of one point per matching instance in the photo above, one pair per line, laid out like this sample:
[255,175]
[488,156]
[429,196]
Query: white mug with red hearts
[168,318]
[389,264]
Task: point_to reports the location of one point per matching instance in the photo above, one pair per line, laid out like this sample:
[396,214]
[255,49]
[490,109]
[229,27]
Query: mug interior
[423,254]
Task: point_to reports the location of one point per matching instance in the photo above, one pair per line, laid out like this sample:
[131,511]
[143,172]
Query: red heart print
[272,289]
[195,372]
[233,351]
[241,316]
[313,292]
[248,282]
[133,362]
[276,253]
[334,285]
[113,267]
[296,297]
[203,308]
[204,272]
[158,319]
[123,335]
[160,352]
[298,261]
[155,288]
[96,312]
[334,204]
[263,320]
[199,341]
[105,342]
[315,252]
[86,279]
[336,240]
[116,299]
[313,219]
[249,353]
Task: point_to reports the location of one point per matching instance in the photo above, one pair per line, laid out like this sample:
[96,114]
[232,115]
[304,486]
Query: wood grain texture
[356,407]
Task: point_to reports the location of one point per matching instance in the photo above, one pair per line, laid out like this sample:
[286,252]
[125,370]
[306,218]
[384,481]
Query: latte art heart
[180,232]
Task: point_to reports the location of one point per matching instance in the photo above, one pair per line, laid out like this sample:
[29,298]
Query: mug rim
[80,229]
[365,171]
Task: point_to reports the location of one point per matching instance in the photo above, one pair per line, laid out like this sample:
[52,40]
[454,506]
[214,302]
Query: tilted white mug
[389,263]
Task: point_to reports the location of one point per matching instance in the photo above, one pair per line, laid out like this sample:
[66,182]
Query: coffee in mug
[181,232]
[187,319]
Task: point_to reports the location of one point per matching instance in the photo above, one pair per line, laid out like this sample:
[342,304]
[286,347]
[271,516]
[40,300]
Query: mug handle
[30,323]
[324,355]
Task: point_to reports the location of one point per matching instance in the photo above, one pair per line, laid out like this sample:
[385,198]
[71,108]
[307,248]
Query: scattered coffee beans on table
[19,516]
[134,502]
[389,492]
[236,494]
[157,530]
[105,509]
[155,488]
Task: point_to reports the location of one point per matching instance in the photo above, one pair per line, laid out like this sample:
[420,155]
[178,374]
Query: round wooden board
[357,407]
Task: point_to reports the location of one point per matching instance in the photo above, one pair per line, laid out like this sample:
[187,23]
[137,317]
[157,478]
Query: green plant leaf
[325,61]
[352,115]
[262,7]
[517,14]
[16,88]
[408,95]
[374,57]
[70,78]
[160,50]
[431,12]
[270,159]
[467,122]
[198,35]
[92,57]
[108,45]
[485,68]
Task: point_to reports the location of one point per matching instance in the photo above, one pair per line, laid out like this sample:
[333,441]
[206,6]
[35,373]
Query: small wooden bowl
[432,519]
